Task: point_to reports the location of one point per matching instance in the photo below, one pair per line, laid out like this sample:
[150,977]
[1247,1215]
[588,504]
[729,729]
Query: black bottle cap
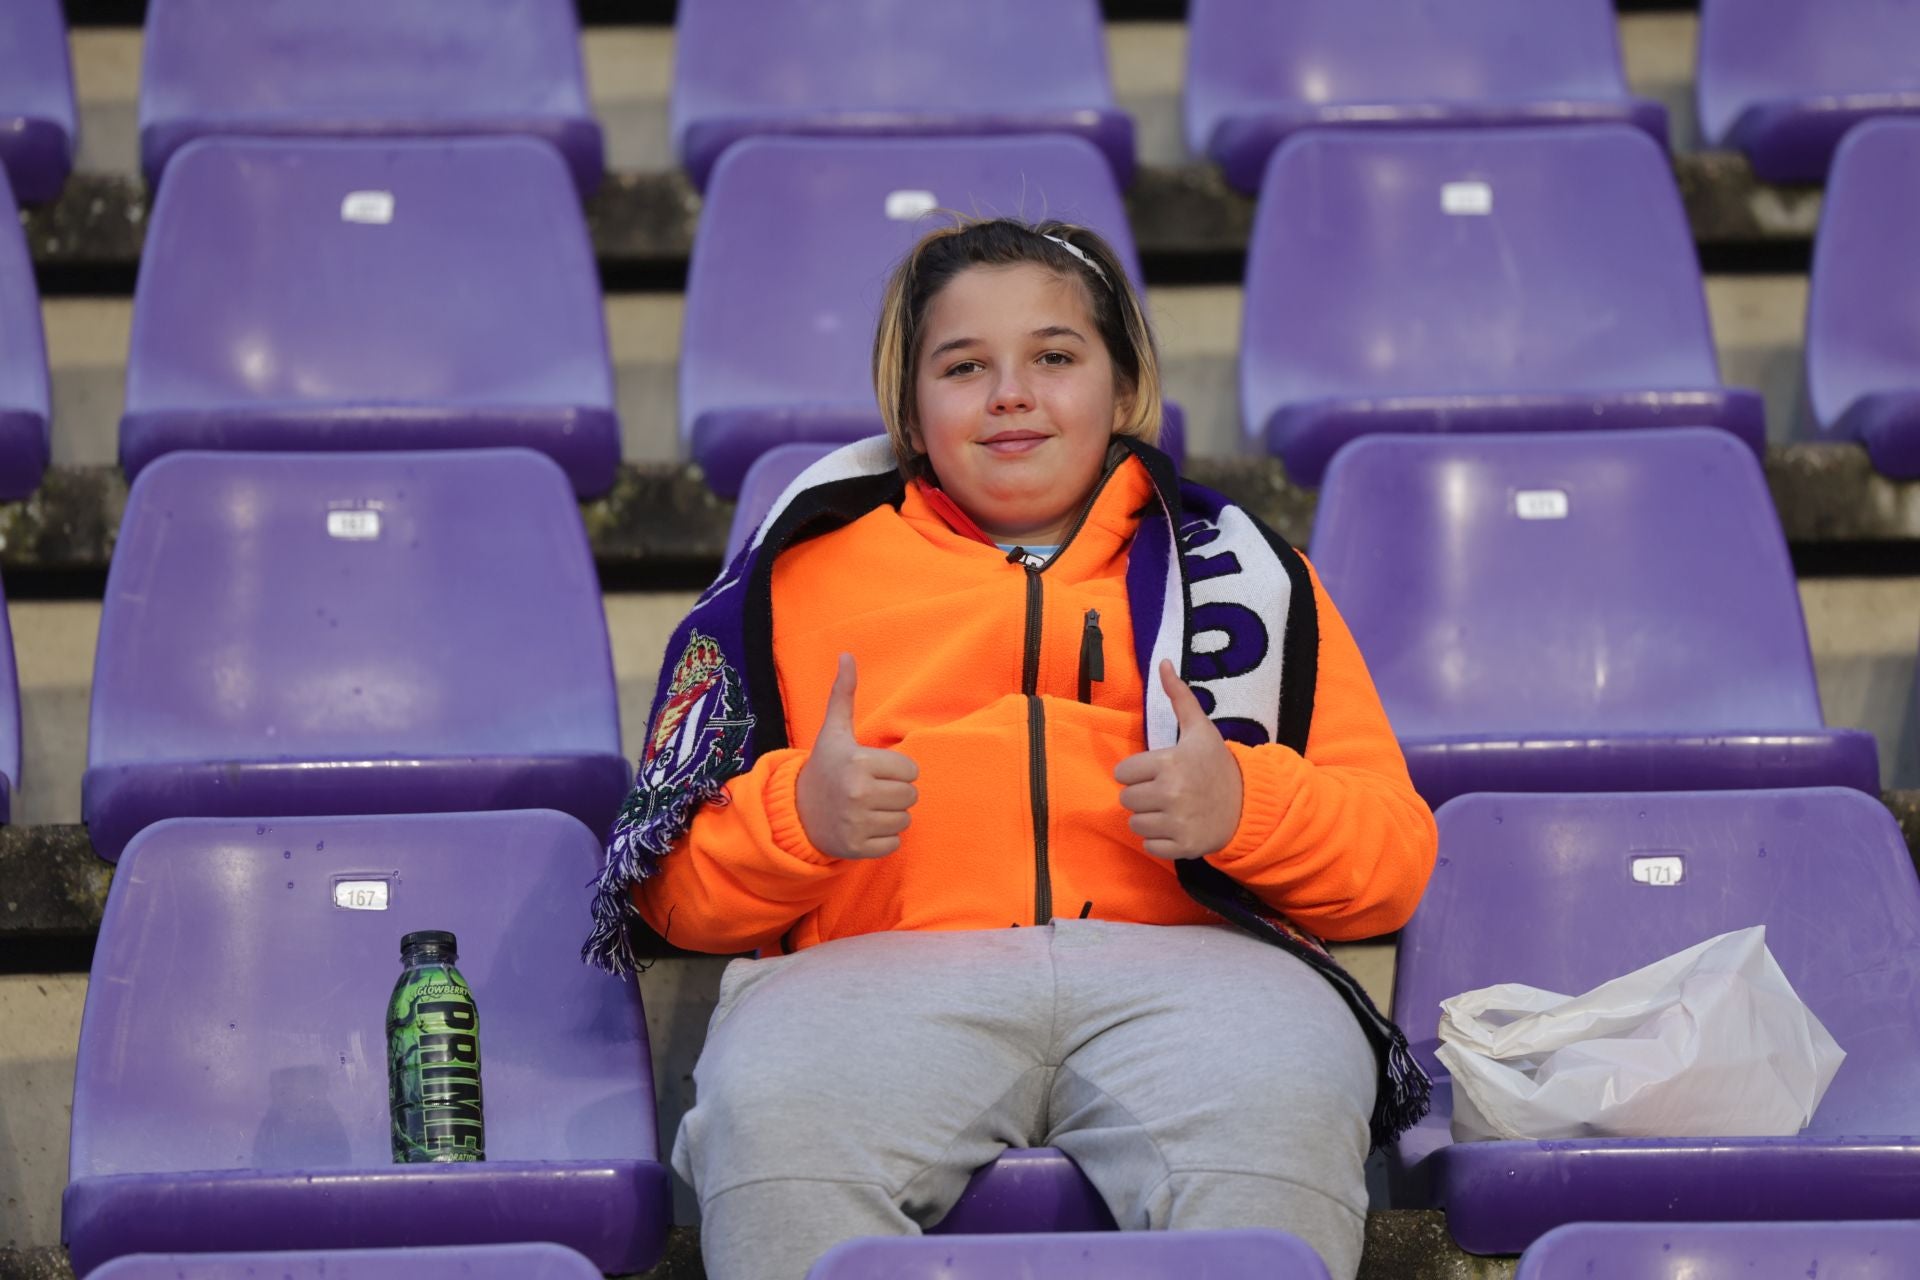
[429,940]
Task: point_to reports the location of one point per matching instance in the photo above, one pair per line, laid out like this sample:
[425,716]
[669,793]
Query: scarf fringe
[1403,1093]
[643,833]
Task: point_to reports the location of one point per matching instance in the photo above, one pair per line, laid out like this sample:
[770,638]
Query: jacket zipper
[1093,656]
[1036,710]
[1036,747]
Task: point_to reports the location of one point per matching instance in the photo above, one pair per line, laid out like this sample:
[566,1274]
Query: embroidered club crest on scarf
[701,730]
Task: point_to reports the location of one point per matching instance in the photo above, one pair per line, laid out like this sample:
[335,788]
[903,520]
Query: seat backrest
[883,64]
[1567,583]
[341,274]
[343,607]
[24,384]
[426,67]
[1155,1255]
[766,480]
[36,97]
[1246,56]
[1724,1251]
[236,1014]
[471,1262]
[1548,260]
[798,236]
[1863,331]
[1757,51]
[1564,892]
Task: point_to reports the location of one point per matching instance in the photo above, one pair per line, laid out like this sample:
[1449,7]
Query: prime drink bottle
[433,1056]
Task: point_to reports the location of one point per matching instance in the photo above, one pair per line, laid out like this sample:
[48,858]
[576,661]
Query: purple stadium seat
[230,1092]
[476,1262]
[26,398]
[765,481]
[1552,891]
[1593,611]
[1135,1255]
[1863,331]
[1027,1190]
[365,294]
[890,67]
[797,237]
[1474,281]
[1782,80]
[1725,1251]
[427,68]
[350,633]
[1258,71]
[9,716]
[38,124]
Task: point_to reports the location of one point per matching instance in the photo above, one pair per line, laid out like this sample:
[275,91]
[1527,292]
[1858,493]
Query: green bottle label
[433,1067]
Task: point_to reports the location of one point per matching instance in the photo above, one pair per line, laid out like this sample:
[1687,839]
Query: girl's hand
[1185,799]
[853,800]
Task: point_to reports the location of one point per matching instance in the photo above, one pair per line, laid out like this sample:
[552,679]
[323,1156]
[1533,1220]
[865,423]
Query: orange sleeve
[745,871]
[1337,839]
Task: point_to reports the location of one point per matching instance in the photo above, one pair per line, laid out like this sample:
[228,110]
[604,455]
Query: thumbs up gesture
[853,800]
[1185,799]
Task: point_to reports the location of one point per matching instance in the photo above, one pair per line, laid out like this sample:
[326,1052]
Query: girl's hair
[1072,253]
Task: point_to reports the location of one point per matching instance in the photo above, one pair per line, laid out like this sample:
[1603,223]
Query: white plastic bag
[1711,1042]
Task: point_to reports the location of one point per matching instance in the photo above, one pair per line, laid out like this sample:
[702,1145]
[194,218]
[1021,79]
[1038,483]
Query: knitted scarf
[1208,586]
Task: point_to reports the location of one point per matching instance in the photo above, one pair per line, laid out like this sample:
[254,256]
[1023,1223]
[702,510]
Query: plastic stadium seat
[1139,1255]
[26,398]
[1782,80]
[797,237]
[1472,281]
[474,1262]
[38,123]
[1027,1190]
[426,68]
[1602,611]
[1552,891]
[765,481]
[9,716]
[350,633]
[370,295]
[230,1091]
[1258,71]
[1725,1251]
[889,67]
[1863,331]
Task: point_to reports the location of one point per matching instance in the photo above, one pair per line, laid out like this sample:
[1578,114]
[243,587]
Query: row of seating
[1595,611]
[1492,280]
[379,633]
[229,1090]
[1626,1251]
[1781,79]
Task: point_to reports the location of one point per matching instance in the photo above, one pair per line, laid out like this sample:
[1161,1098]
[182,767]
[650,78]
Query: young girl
[1033,776]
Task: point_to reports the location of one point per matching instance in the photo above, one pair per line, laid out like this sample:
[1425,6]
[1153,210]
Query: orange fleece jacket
[1336,839]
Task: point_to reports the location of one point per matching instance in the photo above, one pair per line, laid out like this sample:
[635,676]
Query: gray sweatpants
[1199,1077]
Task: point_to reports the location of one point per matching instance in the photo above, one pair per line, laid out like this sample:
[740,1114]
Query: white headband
[1081,254]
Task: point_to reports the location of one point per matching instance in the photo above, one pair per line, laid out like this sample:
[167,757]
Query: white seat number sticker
[905,206]
[1466,199]
[360,895]
[1661,870]
[373,208]
[355,526]
[1540,504]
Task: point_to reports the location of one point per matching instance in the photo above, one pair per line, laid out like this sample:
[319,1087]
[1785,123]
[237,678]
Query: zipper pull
[1093,655]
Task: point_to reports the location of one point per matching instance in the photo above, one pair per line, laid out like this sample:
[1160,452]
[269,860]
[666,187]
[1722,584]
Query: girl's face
[1016,401]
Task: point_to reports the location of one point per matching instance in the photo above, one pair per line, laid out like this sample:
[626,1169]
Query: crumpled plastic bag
[1711,1042]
